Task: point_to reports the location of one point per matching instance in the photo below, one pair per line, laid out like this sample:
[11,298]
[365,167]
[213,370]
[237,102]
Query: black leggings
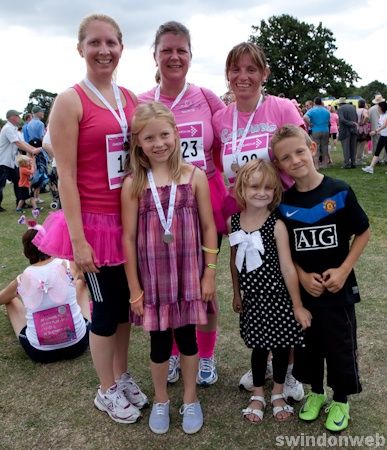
[382,142]
[259,363]
[161,343]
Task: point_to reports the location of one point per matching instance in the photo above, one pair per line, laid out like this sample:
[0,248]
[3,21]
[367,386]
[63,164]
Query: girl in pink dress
[193,108]
[167,216]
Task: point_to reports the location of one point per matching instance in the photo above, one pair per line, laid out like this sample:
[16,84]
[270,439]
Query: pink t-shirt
[271,115]
[193,115]
[92,162]
[334,123]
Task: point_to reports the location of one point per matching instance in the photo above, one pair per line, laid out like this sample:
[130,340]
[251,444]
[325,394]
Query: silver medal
[235,167]
[167,238]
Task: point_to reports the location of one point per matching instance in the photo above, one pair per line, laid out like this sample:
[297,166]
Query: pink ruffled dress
[170,273]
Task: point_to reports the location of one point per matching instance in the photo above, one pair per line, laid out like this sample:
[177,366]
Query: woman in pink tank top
[89,132]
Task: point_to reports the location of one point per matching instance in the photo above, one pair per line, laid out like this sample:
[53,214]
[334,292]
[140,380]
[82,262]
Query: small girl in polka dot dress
[265,284]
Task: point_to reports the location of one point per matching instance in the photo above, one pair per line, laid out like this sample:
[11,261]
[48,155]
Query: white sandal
[256,412]
[277,409]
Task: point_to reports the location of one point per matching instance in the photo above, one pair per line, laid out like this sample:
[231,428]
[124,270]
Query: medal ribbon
[234,148]
[177,99]
[166,224]
[121,118]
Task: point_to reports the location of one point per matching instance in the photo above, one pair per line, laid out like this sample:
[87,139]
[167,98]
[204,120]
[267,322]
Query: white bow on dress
[250,246]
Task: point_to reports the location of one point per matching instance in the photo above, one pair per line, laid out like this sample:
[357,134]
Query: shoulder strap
[192,174]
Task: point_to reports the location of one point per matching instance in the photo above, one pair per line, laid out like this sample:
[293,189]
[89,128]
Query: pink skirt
[102,231]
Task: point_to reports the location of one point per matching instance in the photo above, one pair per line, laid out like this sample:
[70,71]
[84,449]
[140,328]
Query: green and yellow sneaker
[312,406]
[338,416]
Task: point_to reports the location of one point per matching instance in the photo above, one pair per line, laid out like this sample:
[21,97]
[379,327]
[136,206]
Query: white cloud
[39,39]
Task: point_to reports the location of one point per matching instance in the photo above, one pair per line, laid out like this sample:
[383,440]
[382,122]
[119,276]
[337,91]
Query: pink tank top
[92,171]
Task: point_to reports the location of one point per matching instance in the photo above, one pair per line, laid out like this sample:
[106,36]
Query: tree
[301,59]
[369,91]
[42,98]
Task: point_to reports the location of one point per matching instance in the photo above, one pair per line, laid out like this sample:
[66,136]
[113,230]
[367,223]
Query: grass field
[51,406]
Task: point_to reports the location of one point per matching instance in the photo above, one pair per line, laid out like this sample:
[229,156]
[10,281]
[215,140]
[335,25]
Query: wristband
[211,266]
[214,251]
[137,299]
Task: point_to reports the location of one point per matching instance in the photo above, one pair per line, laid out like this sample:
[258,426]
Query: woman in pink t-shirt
[193,108]
[244,130]
[89,132]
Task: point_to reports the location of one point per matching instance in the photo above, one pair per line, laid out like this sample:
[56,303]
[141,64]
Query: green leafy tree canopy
[369,91]
[301,59]
[42,98]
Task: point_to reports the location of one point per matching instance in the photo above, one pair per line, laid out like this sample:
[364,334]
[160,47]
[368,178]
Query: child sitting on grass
[50,323]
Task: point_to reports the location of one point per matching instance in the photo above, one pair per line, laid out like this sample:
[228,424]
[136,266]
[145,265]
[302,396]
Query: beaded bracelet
[214,251]
[211,266]
[137,299]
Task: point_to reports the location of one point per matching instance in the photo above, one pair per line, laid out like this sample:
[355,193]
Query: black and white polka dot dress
[267,320]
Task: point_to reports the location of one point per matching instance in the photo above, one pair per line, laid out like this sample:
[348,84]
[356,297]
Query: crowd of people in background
[149,185]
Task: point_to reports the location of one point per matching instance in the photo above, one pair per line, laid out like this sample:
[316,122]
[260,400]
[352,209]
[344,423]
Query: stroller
[40,178]
[53,186]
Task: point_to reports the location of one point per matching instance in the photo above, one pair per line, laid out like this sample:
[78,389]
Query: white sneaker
[132,392]
[174,369]
[293,389]
[368,169]
[39,200]
[207,373]
[246,381]
[116,405]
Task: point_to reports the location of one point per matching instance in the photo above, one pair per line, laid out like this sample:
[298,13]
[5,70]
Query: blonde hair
[290,131]
[82,30]
[23,160]
[269,177]
[255,52]
[138,164]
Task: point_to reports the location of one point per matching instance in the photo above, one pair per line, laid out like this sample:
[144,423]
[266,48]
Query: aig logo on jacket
[315,238]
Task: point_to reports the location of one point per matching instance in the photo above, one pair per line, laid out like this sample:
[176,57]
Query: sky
[38,39]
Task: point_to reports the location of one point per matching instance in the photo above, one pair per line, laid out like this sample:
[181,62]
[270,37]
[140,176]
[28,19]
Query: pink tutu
[102,231]
[218,193]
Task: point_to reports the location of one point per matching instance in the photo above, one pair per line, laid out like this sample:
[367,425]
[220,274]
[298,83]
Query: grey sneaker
[114,403]
[192,417]
[174,369]
[159,418]
[293,389]
[207,373]
[132,392]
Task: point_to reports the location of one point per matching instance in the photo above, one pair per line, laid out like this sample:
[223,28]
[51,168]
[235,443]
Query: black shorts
[24,193]
[60,354]
[110,294]
[332,337]
[334,135]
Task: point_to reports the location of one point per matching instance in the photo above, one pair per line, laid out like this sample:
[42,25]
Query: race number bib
[254,147]
[115,156]
[191,142]
[55,325]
